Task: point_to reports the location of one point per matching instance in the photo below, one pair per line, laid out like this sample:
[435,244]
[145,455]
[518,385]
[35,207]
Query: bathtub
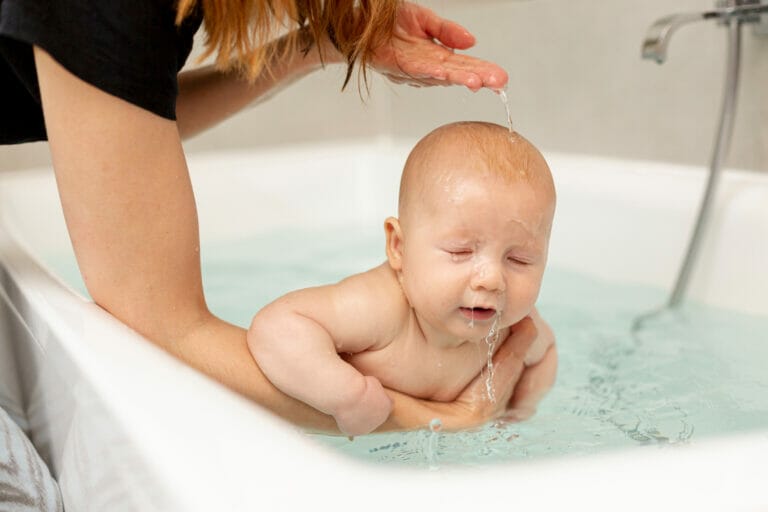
[124,426]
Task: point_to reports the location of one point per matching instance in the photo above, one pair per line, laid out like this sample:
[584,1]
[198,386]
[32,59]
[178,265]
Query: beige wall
[577,83]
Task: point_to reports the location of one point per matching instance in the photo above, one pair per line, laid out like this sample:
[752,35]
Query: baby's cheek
[524,295]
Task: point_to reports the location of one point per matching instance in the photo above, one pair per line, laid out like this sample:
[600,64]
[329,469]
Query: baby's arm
[296,341]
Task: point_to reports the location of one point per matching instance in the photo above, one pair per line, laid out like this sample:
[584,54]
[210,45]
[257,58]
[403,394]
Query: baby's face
[473,250]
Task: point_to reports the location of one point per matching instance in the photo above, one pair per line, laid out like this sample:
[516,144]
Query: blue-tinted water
[697,373]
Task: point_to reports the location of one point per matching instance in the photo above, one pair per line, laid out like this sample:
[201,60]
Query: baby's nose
[488,276]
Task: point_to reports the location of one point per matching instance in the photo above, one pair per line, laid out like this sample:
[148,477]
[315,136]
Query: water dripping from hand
[505,101]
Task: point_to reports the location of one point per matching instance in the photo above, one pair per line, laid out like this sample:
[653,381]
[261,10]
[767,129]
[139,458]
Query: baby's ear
[394,243]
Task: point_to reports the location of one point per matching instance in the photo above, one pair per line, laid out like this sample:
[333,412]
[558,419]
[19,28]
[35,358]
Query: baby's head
[471,238]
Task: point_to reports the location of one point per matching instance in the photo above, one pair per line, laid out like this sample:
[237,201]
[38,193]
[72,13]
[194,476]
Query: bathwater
[697,373]
[687,376]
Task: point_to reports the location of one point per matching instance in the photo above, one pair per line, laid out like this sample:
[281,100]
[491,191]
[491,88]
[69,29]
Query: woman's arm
[207,95]
[130,212]
[420,53]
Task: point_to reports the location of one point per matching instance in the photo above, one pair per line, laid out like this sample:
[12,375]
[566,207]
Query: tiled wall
[577,83]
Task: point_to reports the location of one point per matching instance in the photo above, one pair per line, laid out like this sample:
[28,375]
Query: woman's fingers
[449,33]
[461,67]
[508,362]
[420,53]
[444,76]
[534,383]
[472,407]
[508,366]
[456,69]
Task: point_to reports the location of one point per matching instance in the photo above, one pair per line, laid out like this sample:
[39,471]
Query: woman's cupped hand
[421,53]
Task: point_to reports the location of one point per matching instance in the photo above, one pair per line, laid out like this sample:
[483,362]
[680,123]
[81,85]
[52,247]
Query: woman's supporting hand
[539,374]
[421,53]
[472,407]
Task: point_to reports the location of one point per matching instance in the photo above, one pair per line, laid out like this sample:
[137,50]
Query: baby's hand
[366,413]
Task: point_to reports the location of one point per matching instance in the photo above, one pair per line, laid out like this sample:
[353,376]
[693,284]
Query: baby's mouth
[478,314]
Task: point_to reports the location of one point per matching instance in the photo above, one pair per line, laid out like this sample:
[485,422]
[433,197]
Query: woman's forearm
[207,95]
[219,350]
[131,216]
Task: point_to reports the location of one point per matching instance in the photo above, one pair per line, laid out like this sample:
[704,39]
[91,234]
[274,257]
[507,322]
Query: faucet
[657,38]
[732,14]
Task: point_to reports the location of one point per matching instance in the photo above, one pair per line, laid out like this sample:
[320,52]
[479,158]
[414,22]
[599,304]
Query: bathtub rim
[677,474]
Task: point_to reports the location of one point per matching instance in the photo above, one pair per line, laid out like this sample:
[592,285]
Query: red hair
[238,30]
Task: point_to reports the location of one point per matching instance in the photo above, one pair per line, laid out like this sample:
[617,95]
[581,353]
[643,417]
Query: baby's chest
[422,371]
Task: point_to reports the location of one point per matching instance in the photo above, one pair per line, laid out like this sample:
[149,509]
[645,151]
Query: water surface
[687,376]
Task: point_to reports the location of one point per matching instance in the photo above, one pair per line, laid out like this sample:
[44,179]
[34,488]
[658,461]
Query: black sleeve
[131,49]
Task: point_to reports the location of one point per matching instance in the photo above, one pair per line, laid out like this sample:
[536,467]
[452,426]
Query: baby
[465,260]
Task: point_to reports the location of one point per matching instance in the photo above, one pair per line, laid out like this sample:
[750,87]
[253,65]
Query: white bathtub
[126,427]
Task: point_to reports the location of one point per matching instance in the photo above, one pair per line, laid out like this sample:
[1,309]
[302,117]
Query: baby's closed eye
[460,254]
[519,260]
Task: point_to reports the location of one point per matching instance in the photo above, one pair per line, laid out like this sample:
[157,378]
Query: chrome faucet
[657,38]
[732,14]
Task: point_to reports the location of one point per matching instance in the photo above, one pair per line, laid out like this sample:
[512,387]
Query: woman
[100,81]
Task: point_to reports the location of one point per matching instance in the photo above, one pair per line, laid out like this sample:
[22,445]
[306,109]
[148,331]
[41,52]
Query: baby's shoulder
[378,297]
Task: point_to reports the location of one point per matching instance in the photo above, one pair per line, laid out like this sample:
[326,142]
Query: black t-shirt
[131,49]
